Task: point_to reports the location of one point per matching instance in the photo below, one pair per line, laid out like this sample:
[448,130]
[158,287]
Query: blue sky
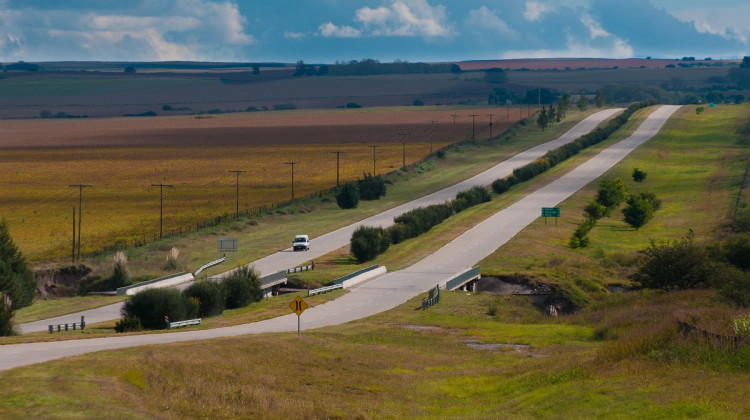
[386,30]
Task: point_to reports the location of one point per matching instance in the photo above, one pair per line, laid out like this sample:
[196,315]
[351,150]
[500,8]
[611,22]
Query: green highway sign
[550,211]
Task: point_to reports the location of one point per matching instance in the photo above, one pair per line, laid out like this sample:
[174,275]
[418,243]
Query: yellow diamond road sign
[298,306]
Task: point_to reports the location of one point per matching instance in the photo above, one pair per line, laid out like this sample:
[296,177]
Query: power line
[292,163]
[338,156]
[403,159]
[161,205]
[80,212]
[237,210]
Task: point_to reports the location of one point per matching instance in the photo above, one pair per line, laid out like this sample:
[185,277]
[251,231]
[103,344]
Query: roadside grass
[404,363]
[694,166]
[53,307]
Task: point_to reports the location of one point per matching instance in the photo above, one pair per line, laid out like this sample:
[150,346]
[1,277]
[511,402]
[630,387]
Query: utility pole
[403,154]
[161,205]
[73,252]
[472,124]
[432,131]
[373,159]
[338,156]
[80,212]
[292,164]
[237,208]
[454,118]
[490,115]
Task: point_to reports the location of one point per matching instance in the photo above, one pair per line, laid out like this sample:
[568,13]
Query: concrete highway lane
[339,238]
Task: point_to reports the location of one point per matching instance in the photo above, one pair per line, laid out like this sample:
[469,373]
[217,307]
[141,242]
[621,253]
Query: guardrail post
[51,329]
[83,323]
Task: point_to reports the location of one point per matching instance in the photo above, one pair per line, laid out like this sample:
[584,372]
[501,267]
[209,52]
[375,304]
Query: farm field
[123,157]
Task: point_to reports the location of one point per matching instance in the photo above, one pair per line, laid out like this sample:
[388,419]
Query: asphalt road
[334,240]
[388,290]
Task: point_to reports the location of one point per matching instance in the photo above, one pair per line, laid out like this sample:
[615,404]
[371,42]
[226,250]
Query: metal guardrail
[324,289]
[210,264]
[271,278]
[299,269]
[122,290]
[184,323]
[434,299]
[461,278]
[341,280]
[65,327]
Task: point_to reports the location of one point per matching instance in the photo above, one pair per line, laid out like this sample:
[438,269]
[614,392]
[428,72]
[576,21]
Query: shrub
[172,259]
[500,186]
[242,287]
[120,276]
[369,242]
[128,324]
[670,265]
[734,250]
[152,305]
[460,204]
[475,195]
[371,187]
[348,196]
[6,316]
[594,210]
[732,284]
[638,175]
[209,295]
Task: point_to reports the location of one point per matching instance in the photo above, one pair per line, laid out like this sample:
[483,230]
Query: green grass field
[472,355]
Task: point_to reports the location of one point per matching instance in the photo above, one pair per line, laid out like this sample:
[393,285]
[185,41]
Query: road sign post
[550,212]
[298,306]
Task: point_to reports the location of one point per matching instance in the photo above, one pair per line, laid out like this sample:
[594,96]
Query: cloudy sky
[386,30]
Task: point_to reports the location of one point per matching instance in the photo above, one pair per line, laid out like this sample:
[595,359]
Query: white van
[301,243]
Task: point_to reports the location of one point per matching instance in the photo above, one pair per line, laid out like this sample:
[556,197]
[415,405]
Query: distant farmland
[123,157]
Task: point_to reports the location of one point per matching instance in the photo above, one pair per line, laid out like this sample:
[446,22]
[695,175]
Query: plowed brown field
[123,157]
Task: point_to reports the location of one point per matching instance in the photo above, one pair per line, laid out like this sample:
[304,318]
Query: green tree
[495,75]
[637,212]
[562,106]
[611,193]
[583,102]
[543,119]
[600,99]
[672,265]
[348,196]
[17,282]
[371,187]
[369,242]
[129,69]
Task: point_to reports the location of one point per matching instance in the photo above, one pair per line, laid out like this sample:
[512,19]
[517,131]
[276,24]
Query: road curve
[388,290]
[334,240]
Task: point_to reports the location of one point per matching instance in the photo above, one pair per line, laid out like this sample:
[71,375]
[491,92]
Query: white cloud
[331,30]
[575,49]
[534,10]
[594,27]
[189,30]
[405,18]
[484,19]
[727,22]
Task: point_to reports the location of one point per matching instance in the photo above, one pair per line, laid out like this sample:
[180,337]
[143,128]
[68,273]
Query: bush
[475,195]
[371,187]
[6,316]
[128,324]
[734,250]
[209,295]
[732,284]
[638,175]
[348,196]
[369,242]
[120,276]
[242,287]
[594,210]
[671,265]
[152,305]
[500,186]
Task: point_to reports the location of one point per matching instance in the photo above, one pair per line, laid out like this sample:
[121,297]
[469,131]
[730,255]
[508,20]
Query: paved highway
[339,238]
[388,290]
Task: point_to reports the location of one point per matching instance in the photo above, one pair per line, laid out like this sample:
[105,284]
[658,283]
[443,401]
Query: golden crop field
[122,205]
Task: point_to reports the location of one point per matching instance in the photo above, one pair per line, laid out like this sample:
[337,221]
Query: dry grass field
[123,157]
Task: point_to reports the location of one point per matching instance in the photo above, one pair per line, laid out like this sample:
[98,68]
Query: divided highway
[391,289]
[332,241]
